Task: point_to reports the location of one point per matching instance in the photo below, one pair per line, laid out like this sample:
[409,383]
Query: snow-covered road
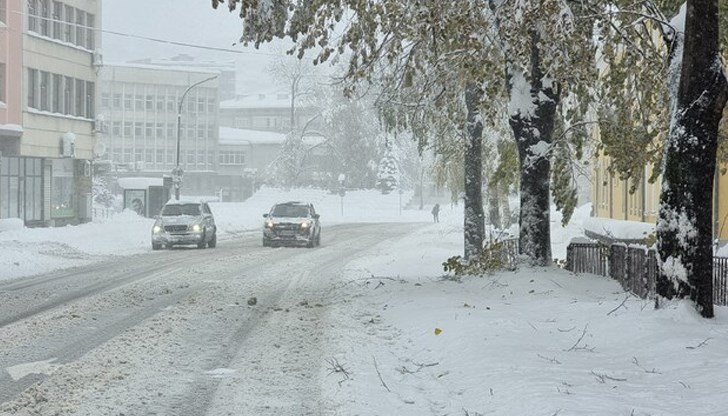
[174,332]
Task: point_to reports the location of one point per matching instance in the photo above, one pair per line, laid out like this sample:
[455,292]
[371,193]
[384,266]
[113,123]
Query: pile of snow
[619,229]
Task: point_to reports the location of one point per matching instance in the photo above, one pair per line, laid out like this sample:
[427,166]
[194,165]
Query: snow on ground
[532,342]
[407,341]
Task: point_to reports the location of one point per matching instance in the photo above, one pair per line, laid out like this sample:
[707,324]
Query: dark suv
[182,223]
[292,223]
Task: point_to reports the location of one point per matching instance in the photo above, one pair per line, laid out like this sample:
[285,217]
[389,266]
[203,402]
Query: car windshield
[185,209]
[290,211]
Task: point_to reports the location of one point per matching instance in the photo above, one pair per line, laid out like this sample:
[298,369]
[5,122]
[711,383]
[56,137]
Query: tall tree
[686,60]
[684,229]
[456,49]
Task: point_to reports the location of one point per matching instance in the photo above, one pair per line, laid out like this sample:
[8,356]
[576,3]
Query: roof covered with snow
[139,183]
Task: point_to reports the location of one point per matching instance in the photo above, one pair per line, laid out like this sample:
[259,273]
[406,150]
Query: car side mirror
[316,216]
[265,215]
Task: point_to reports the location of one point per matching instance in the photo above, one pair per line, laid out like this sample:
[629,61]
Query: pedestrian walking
[436,213]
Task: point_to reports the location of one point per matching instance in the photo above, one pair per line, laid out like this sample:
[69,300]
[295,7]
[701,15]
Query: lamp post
[177,171]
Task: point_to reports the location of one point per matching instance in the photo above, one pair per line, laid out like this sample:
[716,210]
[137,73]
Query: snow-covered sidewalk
[533,342]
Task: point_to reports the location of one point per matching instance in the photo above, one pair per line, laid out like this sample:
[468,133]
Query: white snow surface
[537,341]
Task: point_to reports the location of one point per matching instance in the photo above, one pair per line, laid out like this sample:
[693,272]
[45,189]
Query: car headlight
[156,229]
[305,224]
[196,228]
[269,224]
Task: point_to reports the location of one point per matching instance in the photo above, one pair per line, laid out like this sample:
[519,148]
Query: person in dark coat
[436,213]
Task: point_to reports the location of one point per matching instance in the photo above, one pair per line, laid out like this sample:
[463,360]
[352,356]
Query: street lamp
[177,171]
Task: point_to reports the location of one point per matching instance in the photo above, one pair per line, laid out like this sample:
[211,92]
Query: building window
[149,103]
[127,129]
[90,99]
[139,102]
[57,20]
[2,79]
[80,98]
[127,102]
[90,31]
[45,17]
[3,11]
[33,15]
[32,88]
[57,94]
[80,28]
[68,18]
[68,95]
[45,90]
[105,100]
[116,128]
[117,101]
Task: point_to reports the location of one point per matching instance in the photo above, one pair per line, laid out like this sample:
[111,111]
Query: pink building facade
[11,65]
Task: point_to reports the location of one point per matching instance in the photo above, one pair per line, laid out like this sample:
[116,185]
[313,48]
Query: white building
[140,106]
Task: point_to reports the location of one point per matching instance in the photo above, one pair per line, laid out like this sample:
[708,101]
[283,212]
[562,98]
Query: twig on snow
[637,363]
[551,360]
[702,344]
[619,306]
[420,366]
[602,378]
[336,367]
[576,346]
[376,367]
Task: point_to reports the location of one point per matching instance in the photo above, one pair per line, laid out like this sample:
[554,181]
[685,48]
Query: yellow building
[611,198]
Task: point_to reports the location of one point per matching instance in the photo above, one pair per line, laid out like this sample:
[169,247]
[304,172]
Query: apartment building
[140,106]
[51,55]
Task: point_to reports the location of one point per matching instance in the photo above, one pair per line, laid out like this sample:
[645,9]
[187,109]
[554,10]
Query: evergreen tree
[388,172]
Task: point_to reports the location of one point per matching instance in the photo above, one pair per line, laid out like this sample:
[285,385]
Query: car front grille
[175,228]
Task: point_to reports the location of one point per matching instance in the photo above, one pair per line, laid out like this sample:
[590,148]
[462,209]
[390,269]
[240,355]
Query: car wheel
[213,241]
[266,243]
[318,238]
[203,243]
[156,246]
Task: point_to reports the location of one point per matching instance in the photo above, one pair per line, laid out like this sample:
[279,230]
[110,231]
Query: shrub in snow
[495,256]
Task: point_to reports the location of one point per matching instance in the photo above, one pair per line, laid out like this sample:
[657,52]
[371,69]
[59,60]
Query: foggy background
[138,29]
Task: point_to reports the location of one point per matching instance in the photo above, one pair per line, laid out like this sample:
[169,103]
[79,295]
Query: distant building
[226,80]
[48,87]
[267,111]
[243,157]
[139,105]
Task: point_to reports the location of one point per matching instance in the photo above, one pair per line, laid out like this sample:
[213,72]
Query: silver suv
[292,223]
[184,223]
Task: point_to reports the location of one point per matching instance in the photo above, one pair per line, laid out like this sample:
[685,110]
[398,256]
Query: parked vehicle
[292,223]
[184,223]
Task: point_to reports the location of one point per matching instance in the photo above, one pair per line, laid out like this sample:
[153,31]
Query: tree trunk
[684,229]
[494,205]
[504,204]
[474,224]
[533,126]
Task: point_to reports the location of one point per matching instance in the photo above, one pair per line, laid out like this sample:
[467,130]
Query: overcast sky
[188,21]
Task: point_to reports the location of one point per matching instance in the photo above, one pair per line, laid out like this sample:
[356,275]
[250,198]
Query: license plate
[286,233]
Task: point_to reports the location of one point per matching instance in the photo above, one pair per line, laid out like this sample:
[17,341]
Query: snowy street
[178,335]
[366,324]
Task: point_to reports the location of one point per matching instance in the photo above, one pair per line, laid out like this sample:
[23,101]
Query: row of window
[60,21]
[161,159]
[60,94]
[159,103]
[231,158]
[129,129]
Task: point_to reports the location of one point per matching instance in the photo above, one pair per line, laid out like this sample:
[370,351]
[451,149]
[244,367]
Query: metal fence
[634,268]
